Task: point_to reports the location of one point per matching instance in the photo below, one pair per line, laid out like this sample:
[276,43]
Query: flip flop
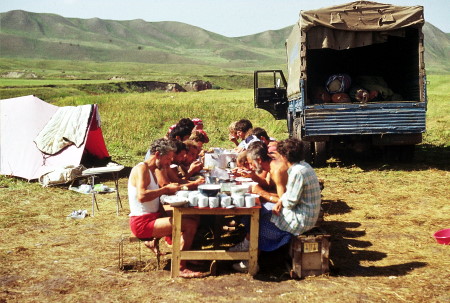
[189,274]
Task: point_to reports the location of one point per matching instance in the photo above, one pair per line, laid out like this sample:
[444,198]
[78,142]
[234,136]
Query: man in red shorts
[147,216]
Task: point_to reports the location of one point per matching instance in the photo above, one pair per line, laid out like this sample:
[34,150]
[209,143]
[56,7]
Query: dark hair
[291,149]
[180,146]
[163,146]
[187,123]
[199,136]
[243,125]
[180,131]
[260,132]
[258,150]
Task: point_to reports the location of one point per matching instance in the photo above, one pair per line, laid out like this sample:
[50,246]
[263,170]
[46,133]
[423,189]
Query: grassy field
[381,217]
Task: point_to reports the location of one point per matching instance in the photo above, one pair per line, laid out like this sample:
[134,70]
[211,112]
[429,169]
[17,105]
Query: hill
[49,36]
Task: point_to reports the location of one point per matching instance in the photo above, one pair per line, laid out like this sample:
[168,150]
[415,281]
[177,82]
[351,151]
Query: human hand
[195,167]
[172,188]
[232,138]
[199,181]
[277,208]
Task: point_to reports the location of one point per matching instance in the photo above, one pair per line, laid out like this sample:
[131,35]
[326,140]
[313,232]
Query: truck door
[270,92]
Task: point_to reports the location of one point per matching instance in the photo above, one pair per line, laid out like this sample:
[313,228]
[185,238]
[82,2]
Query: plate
[175,200]
[242,179]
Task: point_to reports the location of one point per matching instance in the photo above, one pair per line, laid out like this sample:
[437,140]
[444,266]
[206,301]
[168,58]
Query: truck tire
[320,153]
[307,146]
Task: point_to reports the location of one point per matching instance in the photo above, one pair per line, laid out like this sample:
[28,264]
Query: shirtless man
[261,163]
[147,217]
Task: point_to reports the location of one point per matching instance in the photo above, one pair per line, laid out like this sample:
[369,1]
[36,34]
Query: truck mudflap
[364,119]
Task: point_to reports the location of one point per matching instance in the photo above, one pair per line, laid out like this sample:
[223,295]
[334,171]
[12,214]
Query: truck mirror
[278,83]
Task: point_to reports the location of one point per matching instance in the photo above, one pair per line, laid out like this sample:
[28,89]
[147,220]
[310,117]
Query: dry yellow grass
[381,218]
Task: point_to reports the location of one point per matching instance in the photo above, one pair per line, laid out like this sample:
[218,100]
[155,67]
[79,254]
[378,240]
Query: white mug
[250,201]
[193,198]
[225,201]
[213,202]
[239,200]
[203,201]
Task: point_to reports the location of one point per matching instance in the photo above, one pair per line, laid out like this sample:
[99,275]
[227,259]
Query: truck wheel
[297,129]
[320,153]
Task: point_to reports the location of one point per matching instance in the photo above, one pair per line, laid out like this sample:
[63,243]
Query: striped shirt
[301,201]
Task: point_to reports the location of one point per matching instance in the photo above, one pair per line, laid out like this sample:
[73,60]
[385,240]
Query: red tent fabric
[21,120]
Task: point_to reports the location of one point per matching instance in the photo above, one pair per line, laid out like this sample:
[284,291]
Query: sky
[231,18]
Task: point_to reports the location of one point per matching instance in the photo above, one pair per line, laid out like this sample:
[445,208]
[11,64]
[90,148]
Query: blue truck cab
[356,80]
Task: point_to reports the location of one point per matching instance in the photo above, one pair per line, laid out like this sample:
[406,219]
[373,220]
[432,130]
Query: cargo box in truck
[355,81]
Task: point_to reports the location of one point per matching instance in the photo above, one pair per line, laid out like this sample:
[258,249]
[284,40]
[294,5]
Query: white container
[193,198]
[203,201]
[250,201]
[221,159]
[213,202]
[238,200]
[237,190]
[225,201]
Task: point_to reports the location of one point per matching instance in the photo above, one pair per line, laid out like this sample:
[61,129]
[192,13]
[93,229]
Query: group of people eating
[288,187]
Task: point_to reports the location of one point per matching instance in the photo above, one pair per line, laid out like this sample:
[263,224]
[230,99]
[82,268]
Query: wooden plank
[253,249]
[213,255]
[176,239]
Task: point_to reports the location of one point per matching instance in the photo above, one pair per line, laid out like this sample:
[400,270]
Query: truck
[356,81]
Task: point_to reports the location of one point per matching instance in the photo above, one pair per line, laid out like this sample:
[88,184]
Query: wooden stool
[133,239]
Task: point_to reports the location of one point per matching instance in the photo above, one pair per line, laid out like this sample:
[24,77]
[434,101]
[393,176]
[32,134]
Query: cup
[203,201]
[213,202]
[183,194]
[250,201]
[225,201]
[193,198]
[239,200]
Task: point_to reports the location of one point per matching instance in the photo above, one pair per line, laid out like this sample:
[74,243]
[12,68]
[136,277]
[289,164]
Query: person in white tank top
[147,216]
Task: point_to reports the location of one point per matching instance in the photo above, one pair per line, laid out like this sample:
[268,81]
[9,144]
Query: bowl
[210,190]
[238,189]
[249,185]
[443,236]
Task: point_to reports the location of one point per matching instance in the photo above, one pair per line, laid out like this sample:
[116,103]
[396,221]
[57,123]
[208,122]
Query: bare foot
[153,245]
[188,274]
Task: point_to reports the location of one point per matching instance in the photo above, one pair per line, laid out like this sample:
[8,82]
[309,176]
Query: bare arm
[140,177]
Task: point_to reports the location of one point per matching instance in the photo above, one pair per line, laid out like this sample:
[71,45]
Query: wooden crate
[310,254]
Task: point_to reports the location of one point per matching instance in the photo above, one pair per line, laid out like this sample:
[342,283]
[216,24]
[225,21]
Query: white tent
[24,120]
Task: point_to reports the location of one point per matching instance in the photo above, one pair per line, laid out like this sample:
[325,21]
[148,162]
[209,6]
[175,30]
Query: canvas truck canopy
[345,26]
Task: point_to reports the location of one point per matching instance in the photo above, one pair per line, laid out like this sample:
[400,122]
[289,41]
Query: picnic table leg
[253,249]
[176,238]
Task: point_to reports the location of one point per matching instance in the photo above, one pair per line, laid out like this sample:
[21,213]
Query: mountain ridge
[50,36]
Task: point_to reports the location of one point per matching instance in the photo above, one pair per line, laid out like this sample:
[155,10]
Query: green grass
[148,116]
